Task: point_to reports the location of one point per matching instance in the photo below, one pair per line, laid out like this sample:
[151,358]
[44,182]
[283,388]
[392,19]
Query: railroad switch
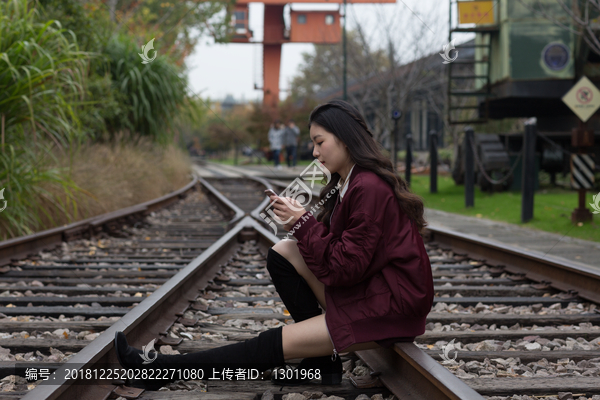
[247,234]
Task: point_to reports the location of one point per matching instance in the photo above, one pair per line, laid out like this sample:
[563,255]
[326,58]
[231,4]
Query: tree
[223,132]
[395,64]
[176,25]
[322,71]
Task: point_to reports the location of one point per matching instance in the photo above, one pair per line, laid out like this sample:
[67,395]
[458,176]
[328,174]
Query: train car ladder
[469,78]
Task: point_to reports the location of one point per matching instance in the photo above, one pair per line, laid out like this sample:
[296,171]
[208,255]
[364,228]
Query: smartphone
[271,191]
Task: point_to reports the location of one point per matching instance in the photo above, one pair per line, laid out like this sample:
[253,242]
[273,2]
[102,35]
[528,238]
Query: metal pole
[449,21]
[528,177]
[469,178]
[448,103]
[408,158]
[394,145]
[235,151]
[433,158]
[345,73]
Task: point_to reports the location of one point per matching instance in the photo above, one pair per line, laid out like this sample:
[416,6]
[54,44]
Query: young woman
[361,260]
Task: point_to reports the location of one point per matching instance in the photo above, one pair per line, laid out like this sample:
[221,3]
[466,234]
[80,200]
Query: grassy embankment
[111,178]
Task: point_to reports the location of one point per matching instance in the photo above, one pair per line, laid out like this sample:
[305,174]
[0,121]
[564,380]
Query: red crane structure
[319,27]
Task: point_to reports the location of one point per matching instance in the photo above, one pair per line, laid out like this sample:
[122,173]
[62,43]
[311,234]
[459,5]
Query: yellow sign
[476,12]
[583,99]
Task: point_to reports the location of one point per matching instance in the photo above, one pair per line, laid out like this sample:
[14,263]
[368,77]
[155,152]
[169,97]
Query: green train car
[524,62]
[524,59]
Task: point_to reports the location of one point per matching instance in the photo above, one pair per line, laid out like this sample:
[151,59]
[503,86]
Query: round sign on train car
[556,56]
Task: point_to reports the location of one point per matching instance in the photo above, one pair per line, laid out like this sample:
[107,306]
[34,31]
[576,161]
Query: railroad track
[219,292]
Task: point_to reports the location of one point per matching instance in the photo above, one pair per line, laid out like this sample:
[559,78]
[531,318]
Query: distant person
[276,140]
[292,133]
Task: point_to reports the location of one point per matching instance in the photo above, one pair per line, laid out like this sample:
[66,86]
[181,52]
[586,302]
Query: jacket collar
[356,170]
[344,185]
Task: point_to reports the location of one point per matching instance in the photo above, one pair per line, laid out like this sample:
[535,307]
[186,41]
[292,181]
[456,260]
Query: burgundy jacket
[373,263]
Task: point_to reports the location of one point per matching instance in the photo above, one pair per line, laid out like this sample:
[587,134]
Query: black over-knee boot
[260,353]
[302,304]
[296,294]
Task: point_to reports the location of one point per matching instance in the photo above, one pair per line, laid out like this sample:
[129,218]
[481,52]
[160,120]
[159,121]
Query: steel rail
[141,323]
[169,301]
[174,297]
[559,273]
[20,247]
[422,376]
[226,206]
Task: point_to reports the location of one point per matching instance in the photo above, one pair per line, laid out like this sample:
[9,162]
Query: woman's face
[329,150]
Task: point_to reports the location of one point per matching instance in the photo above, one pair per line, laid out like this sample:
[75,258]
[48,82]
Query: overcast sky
[220,69]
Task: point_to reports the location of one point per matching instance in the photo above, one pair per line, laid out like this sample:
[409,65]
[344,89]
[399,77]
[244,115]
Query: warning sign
[583,99]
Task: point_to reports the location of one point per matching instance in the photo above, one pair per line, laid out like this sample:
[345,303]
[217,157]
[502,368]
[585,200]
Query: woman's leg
[310,338]
[303,305]
[301,293]
[289,250]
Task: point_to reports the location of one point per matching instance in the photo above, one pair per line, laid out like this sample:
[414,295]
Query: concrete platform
[586,253]
[583,252]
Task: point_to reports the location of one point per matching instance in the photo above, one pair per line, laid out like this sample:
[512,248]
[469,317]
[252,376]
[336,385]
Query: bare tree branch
[578,25]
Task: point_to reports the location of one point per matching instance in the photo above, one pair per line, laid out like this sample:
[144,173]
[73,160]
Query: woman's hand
[286,207]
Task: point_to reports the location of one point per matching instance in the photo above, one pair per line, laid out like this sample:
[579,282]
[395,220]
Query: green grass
[552,206]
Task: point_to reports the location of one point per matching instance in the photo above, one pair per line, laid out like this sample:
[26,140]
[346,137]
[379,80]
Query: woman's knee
[308,338]
[286,248]
[279,258]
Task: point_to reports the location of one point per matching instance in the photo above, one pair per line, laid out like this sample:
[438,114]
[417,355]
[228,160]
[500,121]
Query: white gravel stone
[533,346]
[61,333]
[293,396]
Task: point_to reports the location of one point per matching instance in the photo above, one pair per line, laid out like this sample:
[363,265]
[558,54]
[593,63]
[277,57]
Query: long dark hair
[345,122]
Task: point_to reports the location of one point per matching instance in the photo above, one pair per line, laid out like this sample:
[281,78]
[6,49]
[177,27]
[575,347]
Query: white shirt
[341,182]
[338,186]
